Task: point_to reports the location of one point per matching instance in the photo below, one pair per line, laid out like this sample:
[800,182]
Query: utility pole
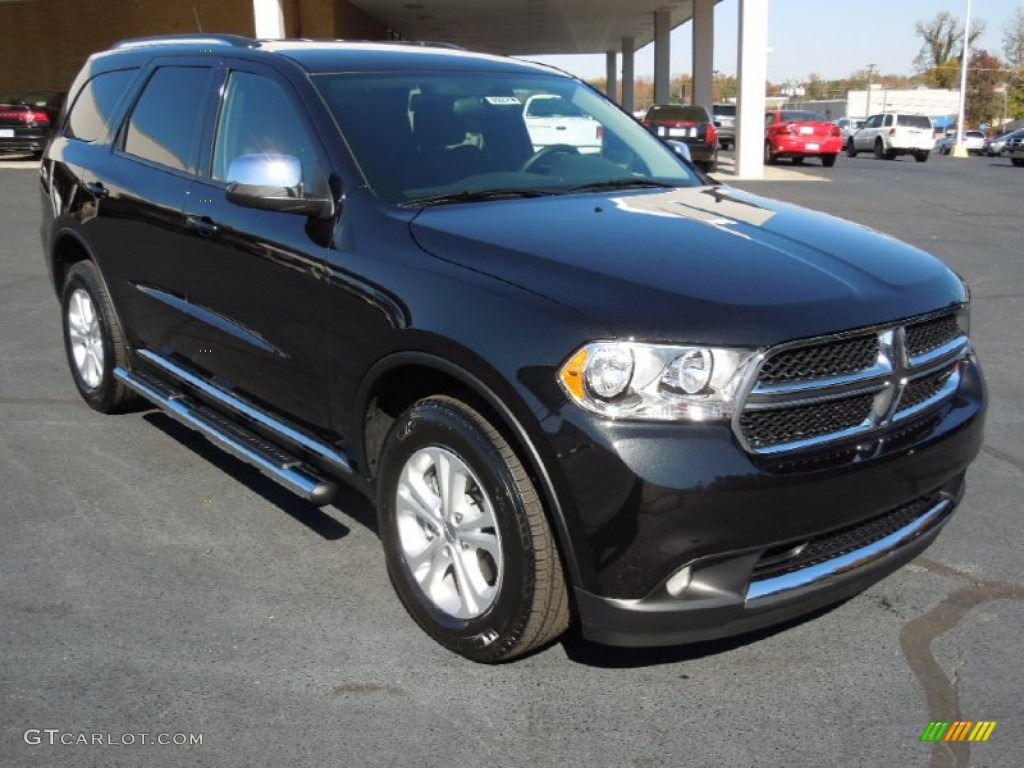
[867,106]
[959,150]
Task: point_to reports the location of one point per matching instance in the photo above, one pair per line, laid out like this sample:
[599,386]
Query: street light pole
[960,150]
[867,105]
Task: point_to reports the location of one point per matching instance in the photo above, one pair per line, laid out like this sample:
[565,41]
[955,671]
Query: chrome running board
[815,577]
[278,464]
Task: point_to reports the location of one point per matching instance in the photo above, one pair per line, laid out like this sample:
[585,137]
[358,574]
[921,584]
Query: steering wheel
[540,161]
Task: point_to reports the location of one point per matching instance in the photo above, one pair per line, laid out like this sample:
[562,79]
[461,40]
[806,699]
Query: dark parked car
[593,387]
[689,124]
[26,119]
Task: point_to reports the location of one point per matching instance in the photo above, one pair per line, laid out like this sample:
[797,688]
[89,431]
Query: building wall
[43,43]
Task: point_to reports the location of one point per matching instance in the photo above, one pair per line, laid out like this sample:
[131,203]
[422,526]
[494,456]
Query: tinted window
[729,110]
[914,121]
[259,118]
[552,107]
[91,116]
[796,115]
[166,119]
[683,114]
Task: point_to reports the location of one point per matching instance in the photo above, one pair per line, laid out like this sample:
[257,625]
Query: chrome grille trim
[888,379]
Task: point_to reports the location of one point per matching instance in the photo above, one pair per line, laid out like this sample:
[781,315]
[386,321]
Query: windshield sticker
[502,100]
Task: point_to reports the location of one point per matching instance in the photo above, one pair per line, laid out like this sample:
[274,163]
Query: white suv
[891,134]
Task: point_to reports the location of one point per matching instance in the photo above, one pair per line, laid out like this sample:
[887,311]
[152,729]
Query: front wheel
[851,150]
[93,341]
[467,543]
[1018,161]
[879,150]
[828,160]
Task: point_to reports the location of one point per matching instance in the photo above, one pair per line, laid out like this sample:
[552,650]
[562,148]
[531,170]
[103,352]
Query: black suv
[581,386]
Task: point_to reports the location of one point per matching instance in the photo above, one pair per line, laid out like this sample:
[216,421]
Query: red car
[797,134]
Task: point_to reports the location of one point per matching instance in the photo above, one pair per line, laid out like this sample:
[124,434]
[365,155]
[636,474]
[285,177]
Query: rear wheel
[93,341]
[770,158]
[828,160]
[1018,161]
[921,157]
[466,540]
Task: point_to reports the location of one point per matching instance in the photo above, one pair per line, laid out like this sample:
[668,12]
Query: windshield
[430,136]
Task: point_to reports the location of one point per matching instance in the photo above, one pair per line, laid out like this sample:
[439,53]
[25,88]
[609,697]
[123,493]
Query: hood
[710,265]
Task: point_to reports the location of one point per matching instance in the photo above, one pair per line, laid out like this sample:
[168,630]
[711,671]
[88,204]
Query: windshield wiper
[480,195]
[597,186]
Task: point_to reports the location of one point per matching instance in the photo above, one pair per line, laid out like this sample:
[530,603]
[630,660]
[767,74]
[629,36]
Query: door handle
[96,189]
[202,225]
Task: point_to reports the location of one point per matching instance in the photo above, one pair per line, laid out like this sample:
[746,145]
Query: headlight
[655,382]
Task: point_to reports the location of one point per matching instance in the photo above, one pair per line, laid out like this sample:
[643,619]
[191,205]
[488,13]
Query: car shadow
[349,501]
[590,654]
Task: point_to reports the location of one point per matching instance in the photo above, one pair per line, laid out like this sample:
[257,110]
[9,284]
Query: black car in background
[689,124]
[592,387]
[27,118]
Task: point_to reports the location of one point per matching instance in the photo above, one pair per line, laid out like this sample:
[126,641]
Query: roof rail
[238,41]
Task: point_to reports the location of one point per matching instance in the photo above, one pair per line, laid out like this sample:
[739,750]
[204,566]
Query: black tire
[1018,161]
[769,157]
[879,149]
[921,157]
[94,349]
[828,160]
[851,150]
[528,602]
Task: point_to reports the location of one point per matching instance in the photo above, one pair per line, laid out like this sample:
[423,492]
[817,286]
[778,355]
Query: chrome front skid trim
[819,576]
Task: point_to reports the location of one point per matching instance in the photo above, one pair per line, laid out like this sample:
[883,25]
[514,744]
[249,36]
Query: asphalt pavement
[150,584]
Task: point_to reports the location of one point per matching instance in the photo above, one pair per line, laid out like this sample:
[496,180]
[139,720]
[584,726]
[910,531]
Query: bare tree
[943,40]
[1013,40]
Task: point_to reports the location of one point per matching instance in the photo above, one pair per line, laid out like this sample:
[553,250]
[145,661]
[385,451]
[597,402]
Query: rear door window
[91,118]
[164,126]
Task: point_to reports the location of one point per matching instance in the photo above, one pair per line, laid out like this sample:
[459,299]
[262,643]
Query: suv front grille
[811,393]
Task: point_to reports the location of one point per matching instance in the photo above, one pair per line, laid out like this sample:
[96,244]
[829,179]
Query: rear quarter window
[92,115]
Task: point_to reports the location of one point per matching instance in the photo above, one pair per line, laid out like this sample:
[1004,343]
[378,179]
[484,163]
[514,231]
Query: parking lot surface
[150,584]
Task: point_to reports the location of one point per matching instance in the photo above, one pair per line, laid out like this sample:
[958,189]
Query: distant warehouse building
[940,104]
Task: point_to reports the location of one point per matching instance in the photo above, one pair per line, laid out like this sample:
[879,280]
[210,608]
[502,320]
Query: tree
[943,47]
[985,78]
[1013,40]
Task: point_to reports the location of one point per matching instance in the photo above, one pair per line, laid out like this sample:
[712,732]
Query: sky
[833,39]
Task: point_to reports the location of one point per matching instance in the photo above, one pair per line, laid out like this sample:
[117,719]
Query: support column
[269,18]
[662,57]
[752,66]
[703,52]
[628,81]
[611,89]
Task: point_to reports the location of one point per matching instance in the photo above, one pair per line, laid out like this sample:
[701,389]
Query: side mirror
[272,182]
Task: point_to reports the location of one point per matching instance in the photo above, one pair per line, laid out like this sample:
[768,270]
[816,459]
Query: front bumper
[686,538]
[721,599]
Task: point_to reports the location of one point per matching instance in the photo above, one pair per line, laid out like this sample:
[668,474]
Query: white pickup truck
[550,120]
